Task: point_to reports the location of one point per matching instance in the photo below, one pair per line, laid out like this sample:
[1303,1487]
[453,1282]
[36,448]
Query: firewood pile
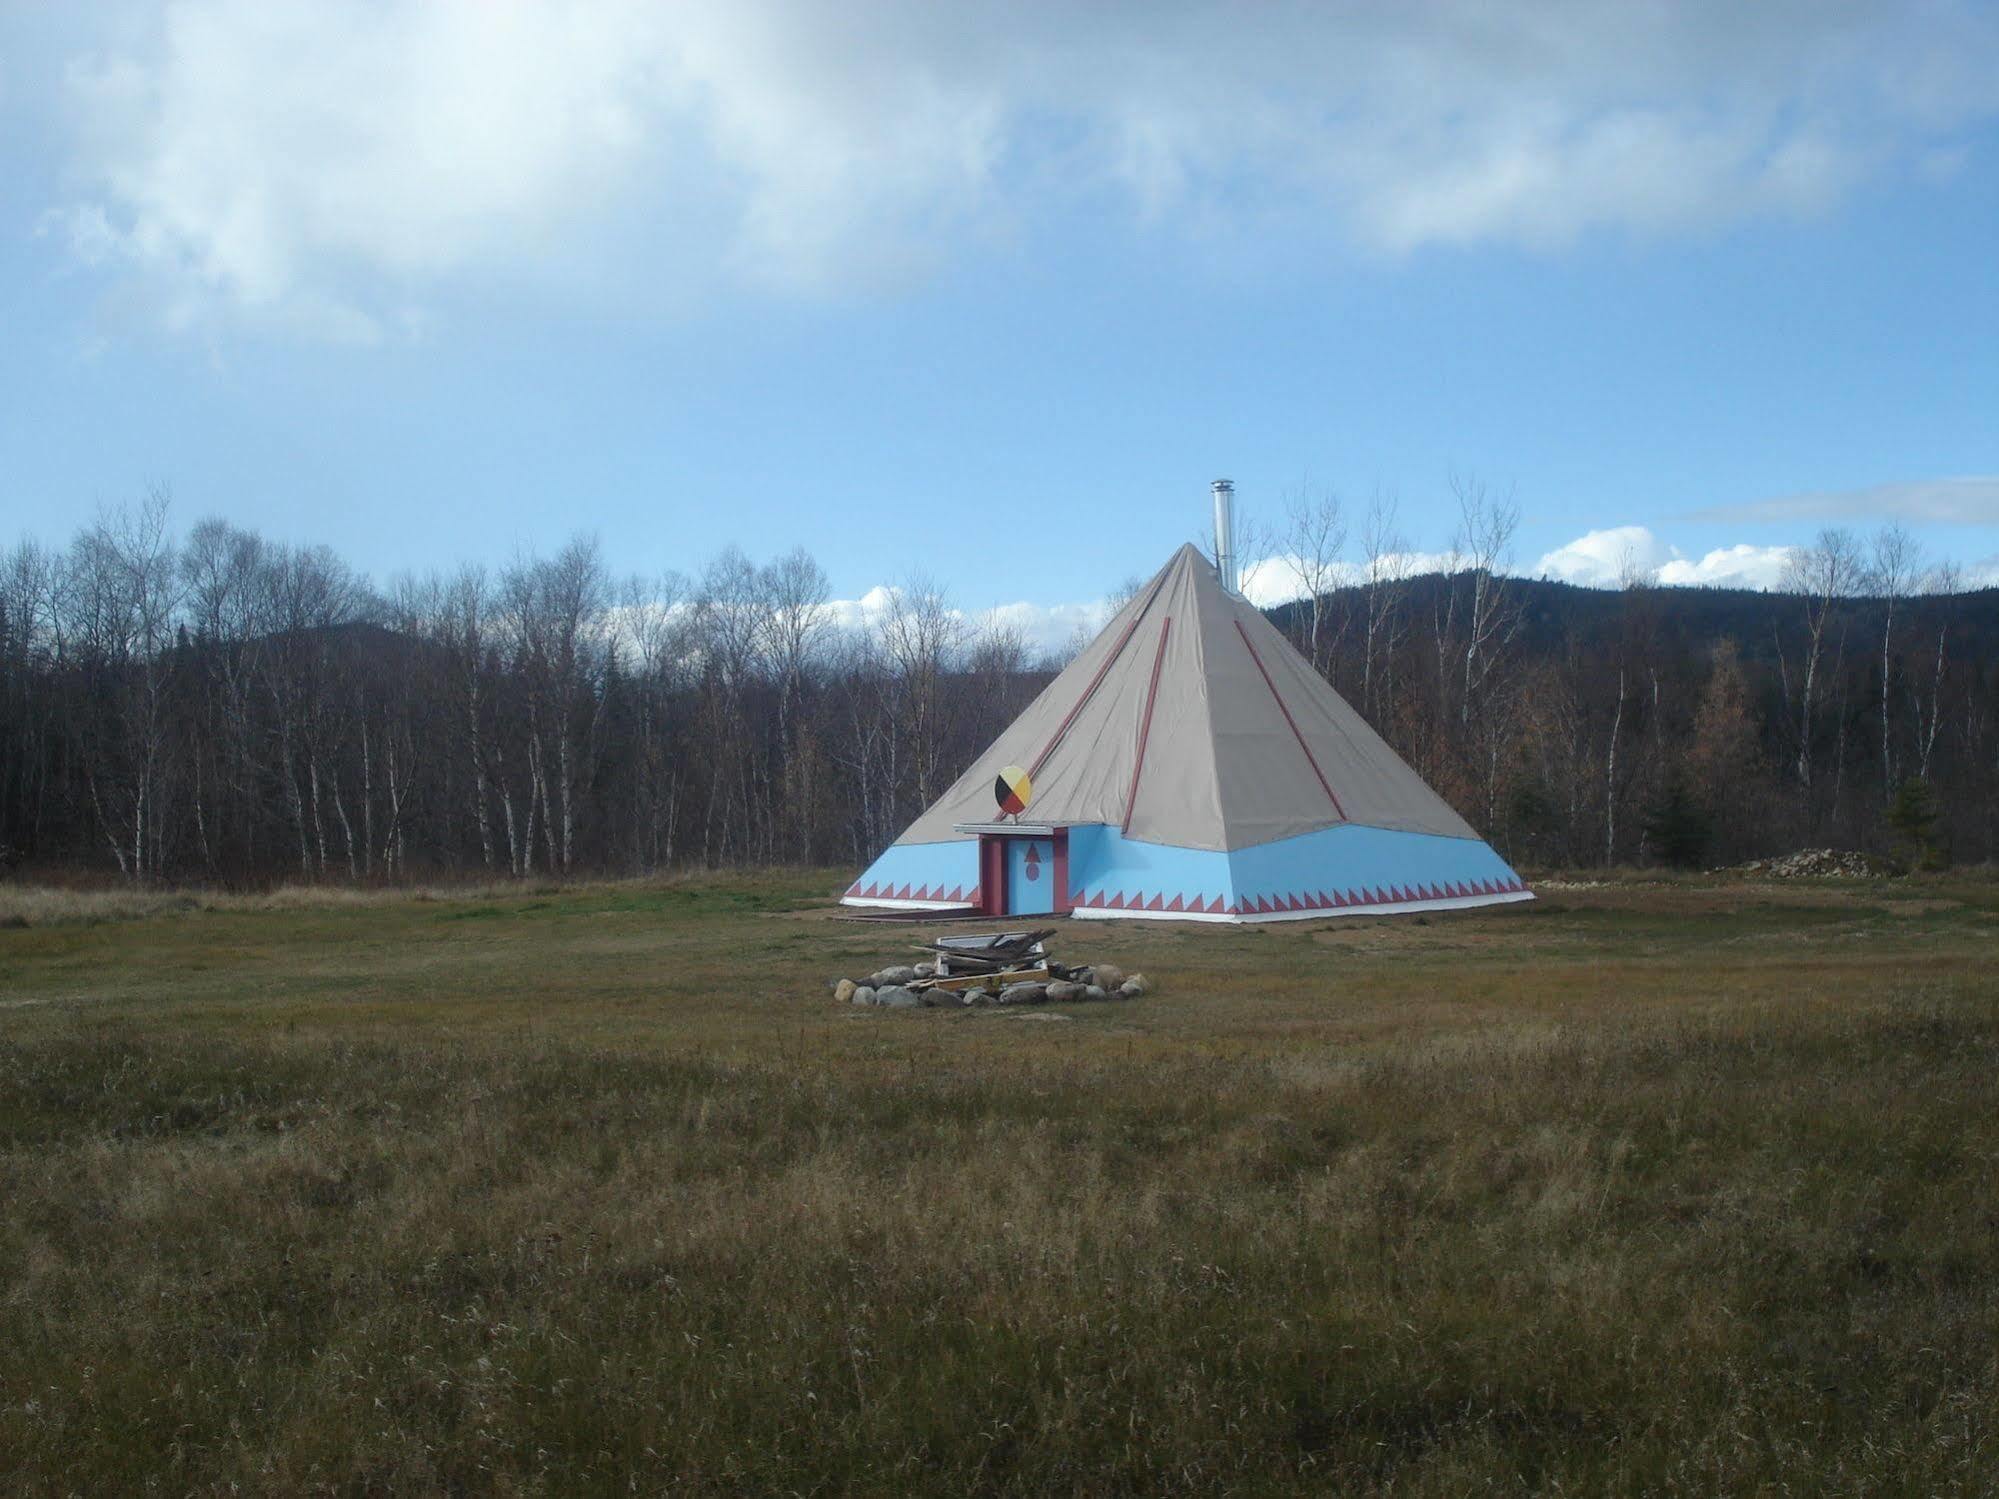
[1010,968]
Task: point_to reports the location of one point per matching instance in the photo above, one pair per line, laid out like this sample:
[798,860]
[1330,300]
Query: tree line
[1853,706]
[219,707]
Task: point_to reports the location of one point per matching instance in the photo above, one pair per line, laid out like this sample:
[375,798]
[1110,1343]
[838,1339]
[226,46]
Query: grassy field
[1644,1188]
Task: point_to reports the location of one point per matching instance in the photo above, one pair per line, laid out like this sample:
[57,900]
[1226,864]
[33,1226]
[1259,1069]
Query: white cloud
[1596,559]
[1045,629]
[1273,581]
[863,612]
[1619,554]
[1739,566]
[284,162]
[325,166]
[1276,580]
[1599,558]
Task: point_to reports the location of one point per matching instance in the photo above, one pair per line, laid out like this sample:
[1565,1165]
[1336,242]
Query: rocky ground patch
[1821,863]
[913,986]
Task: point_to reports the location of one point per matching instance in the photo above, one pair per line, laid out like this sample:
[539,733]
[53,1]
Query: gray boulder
[1095,991]
[844,990]
[1062,992]
[901,973]
[1023,994]
[895,997]
[978,996]
[862,995]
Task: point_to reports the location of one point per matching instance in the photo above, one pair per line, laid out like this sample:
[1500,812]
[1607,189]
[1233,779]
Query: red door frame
[992,871]
[992,875]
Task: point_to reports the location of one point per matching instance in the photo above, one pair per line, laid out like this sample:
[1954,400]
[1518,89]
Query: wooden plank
[979,962]
[984,980]
[992,943]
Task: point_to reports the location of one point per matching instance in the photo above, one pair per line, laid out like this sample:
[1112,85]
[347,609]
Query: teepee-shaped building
[1190,765]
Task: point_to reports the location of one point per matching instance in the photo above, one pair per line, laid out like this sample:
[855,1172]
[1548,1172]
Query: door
[1030,876]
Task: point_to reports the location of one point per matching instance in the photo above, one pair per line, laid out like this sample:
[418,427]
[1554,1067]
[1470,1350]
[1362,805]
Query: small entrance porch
[1023,868]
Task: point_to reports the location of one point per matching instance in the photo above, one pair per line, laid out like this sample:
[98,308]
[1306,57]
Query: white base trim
[1091,913]
[909,905]
[1386,908]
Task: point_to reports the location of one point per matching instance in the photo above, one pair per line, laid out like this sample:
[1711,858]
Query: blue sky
[994,294]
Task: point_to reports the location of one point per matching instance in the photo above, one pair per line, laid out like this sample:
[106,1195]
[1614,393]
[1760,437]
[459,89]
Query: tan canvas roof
[1245,744]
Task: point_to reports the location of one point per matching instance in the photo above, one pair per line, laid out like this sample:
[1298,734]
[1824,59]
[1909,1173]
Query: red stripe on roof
[1098,680]
[1278,698]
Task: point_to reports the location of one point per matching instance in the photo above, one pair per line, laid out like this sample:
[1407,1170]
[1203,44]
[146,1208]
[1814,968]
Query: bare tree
[797,621]
[1474,618]
[1311,544]
[1123,594]
[869,741]
[732,609]
[464,626]
[1894,572]
[575,588]
[1822,575]
[403,744]
[124,591]
[798,617]
[1385,572]
[1926,700]
[1255,550]
[557,614]
[659,628]
[1484,541]
[222,568]
[921,637]
[305,595]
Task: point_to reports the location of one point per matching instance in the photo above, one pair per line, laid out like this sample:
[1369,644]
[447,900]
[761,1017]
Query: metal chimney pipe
[1224,492]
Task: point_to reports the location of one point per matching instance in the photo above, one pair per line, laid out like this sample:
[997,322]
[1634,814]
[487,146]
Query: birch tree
[921,636]
[1311,546]
[124,589]
[1385,572]
[1895,568]
[1821,576]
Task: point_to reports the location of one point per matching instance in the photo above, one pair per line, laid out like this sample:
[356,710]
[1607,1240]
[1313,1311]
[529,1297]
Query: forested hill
[1554,613]
[1590,725]
[223,708]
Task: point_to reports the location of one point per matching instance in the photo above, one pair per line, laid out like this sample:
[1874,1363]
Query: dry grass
[1663,1189]
[30,905]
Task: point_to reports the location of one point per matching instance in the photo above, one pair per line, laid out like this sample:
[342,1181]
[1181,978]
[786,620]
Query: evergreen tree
[1913,816]
[1677,826]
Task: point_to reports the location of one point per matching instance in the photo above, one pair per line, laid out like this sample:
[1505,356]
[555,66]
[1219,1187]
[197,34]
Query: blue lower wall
[1328,870]
[947,873]
[1105,865]
[1365,859]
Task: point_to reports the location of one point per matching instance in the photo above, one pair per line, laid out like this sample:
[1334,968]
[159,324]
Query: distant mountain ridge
[1694,617]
